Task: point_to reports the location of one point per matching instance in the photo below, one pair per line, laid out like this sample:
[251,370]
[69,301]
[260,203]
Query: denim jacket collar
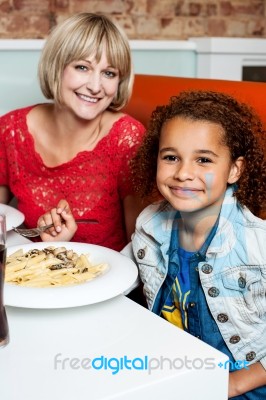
[160,223]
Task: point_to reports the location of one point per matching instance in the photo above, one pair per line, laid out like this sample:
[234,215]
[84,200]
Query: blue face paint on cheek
[209,178]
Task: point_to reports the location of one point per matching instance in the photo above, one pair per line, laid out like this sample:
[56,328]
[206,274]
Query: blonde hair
[81,36]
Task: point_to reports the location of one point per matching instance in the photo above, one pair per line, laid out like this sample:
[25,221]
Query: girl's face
[89,87]
[194,166]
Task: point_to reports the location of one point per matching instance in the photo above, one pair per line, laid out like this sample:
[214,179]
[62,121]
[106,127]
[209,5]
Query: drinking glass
[4,332]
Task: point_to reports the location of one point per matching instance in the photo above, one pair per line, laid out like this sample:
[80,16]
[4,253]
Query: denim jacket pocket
[247,286]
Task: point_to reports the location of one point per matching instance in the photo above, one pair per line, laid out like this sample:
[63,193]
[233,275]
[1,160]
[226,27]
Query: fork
[34,232]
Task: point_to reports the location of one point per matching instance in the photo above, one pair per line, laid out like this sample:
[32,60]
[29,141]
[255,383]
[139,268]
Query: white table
[51,353]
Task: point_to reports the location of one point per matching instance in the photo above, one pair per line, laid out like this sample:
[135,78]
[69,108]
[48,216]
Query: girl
[201,252]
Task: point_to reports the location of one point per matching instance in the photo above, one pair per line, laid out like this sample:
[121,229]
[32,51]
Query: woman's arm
[244,380]
[5,195]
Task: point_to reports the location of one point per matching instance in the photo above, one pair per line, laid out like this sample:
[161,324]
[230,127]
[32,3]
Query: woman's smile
[87,98]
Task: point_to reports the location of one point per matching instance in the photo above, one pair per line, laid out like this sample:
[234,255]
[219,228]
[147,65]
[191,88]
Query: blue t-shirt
[175,306]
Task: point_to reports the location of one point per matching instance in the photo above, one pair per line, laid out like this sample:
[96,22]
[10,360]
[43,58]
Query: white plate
[14,217]
[118,279]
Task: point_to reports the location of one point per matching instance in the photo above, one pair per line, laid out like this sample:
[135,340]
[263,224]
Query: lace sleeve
[3,157]
[130,137]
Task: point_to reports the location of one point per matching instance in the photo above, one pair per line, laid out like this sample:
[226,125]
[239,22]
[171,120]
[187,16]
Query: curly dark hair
[243,134]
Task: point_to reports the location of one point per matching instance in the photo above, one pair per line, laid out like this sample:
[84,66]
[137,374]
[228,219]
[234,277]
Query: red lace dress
[94,182]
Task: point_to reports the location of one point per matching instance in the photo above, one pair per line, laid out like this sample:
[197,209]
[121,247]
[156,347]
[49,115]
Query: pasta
[51,266]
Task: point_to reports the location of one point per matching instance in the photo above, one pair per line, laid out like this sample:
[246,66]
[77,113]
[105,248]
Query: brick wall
[141,19]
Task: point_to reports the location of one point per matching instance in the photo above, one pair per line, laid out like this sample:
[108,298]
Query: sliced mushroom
[62,256]
[59,250]
[69,254]
[56,266]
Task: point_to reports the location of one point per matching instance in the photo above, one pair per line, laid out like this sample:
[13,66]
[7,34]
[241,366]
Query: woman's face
[88,87]
[194,166]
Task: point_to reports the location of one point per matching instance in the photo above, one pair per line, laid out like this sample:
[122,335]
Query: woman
[77,146]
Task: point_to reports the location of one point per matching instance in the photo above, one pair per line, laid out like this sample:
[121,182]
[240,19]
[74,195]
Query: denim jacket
[233,275]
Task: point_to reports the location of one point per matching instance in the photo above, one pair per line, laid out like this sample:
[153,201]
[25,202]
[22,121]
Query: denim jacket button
[241,282]
[192,304]
[213,292]
[222,317]
[234,339]
[141,254]
[250,356]
[206,268]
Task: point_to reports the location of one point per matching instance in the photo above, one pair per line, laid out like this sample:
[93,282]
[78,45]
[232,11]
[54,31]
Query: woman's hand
[64,223]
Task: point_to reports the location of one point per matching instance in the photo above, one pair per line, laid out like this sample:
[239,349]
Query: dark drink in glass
[4,333]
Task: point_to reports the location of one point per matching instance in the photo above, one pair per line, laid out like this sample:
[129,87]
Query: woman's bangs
[117,57]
